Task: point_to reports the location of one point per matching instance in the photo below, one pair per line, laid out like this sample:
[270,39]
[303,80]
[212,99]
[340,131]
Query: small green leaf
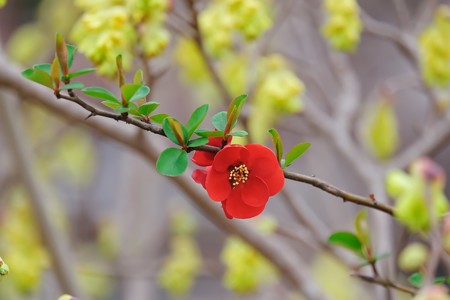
[80,72]
[148,107]
[296,152]
[73,86]
[198,142]
[138,77]
[121,109]
[159,118]
[71,49]
[362,231]
[416,279]
[100,93]
[347,240]
[234,110]
[277,143]
[175,131]
[208,133]
[196,119]
[219,120]
[133,92]
[240,133]
[110,104]
[172,162]
[440,280]
[43,67]
[39,76]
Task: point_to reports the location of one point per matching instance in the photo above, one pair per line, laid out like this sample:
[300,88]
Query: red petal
[236,208]
[217,185]
[225,211]
[276,182]
[202,158]
[199,176]
[262,160]
[231,155]
[255,192]
[264,164]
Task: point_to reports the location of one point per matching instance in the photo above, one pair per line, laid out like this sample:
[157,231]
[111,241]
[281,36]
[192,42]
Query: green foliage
[246,268]
[39,76]
[297,151]
[107,28]
[219,120]
[175,131]
[347,240]
[172,162]
[381,129]
[435,49]
[277,143]
[101,93]
[4,269]
[420,201]
[133,92]
[196,119]
[184,261]
[413,257]
[198,142]
[343,26]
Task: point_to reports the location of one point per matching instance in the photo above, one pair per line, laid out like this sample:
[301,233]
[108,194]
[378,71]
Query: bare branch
[346,196]
[386,283]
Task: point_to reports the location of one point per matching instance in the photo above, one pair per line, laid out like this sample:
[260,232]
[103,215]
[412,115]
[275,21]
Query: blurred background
[348,77]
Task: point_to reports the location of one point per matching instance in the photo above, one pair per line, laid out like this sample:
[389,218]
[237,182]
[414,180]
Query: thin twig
[386,283]
[346,196]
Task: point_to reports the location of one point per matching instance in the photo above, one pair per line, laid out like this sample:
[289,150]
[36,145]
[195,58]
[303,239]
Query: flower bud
[413,257]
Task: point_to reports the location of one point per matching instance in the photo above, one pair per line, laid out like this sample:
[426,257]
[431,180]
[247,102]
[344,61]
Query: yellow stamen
[238,174]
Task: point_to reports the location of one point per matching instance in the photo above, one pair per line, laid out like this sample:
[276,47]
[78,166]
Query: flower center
[238,174]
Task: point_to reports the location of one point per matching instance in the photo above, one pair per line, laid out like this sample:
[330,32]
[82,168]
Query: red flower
[203,158]
[243,178]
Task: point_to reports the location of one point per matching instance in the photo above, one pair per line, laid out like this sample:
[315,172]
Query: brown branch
[386,283]
[346,196]
[276,252]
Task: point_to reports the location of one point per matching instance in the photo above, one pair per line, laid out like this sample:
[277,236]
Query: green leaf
[80,72]
[71,49]
[73,86]
[416,279]
[172,162]
[362,232]
[121,109]
[39,76]
[234,110]
[296,152]
[175,131]
[277,143]
[159,118]
[240,133]
[219,120]
[440,280]
[347,240]
[133,92]
[100,93]
[141,93]
[208,133]
[43,67]
[148,107]
[138,77]
[198,142]
[196,119]
[110,104]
